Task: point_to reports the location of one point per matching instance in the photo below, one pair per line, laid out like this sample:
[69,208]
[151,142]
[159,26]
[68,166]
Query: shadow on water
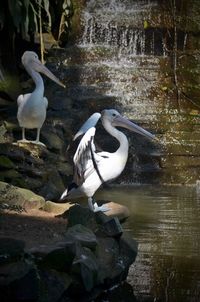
[165,222]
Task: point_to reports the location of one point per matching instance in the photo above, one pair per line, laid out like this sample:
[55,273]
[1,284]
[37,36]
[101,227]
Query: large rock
[93,256]
[107,261]
[116,209]
[56,208]
[24,198]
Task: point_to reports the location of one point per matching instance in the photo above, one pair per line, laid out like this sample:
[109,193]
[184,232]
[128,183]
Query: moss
[10,85]
[5,162]
[9,174]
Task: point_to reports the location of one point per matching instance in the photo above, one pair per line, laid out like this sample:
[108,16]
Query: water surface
[165,221]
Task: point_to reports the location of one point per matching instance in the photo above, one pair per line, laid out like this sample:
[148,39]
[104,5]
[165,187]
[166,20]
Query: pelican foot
[38,143]
[24,141]
[102,208]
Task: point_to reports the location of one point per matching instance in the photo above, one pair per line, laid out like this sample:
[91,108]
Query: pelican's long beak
[39,67]
[120,121]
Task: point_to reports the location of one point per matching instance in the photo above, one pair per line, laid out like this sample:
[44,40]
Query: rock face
[94,256]
[44,171]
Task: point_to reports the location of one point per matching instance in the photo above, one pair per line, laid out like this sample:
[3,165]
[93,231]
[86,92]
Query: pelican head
[114,118]
[31,61]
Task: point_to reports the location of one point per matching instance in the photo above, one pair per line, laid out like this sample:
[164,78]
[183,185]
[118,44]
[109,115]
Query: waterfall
[124,51]
[119,24]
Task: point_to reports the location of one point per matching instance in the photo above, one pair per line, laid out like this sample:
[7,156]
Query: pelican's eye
[114,114]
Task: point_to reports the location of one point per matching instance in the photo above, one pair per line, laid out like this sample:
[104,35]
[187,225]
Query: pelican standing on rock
[32,106]
[92,168]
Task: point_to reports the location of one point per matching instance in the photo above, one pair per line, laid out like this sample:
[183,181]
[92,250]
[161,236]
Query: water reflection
[166,223]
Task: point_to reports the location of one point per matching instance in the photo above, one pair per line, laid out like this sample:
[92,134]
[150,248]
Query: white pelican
[32,106]
[91,168]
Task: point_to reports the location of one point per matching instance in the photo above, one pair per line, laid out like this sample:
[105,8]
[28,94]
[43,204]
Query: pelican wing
[45,101]
[91,122]
[86,160]
[22,98]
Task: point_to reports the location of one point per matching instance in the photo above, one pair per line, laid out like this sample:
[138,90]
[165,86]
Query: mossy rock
[5,162]
[12,195]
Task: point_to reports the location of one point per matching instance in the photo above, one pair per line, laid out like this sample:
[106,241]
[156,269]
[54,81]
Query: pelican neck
[120,136]
[37,79]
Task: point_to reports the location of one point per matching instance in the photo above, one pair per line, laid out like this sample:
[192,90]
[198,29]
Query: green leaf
[146,25]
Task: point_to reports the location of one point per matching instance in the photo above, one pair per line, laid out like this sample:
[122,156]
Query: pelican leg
[23,140]
[37,141]
[23,134]
[94,206]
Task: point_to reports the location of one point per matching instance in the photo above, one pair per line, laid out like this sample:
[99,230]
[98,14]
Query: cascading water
[118,24]
[127,62]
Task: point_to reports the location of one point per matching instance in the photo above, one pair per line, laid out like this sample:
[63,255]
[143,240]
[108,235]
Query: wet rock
[114,261]
[128,250]
[83,235]
[107,254]
[112,228]
[86,266]
[12,195]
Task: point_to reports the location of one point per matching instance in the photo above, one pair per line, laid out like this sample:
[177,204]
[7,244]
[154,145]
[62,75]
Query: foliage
[24,15]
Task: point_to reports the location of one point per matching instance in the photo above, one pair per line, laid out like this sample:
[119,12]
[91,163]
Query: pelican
[32,106]
[92,168]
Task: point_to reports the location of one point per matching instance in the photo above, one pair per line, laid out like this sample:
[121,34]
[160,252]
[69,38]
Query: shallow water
[165,221]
